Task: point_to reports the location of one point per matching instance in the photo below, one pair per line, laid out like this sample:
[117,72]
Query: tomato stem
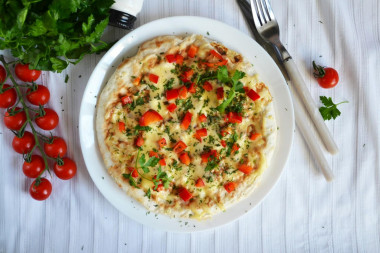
[28,118]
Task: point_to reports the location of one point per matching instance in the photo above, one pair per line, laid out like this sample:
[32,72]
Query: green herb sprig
[53,33]
[329,110]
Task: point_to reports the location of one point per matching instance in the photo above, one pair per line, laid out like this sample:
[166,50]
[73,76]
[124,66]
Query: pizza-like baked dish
[185,127]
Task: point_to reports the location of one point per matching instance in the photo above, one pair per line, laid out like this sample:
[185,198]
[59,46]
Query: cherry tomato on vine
[15,122]
[67,170]
[326,77]
[25,74]
[3,74]
[33,168]
[8,96]
[56,148]
[40,96]
[40,191]
[48,121]
[24,144]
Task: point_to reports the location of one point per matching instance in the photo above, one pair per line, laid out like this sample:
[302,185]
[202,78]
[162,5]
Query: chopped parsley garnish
[135,103]
[169,84]
[143,128]
[148,193]
[161,176]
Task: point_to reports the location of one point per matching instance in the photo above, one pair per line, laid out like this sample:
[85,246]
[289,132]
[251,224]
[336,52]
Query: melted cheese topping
[152,96]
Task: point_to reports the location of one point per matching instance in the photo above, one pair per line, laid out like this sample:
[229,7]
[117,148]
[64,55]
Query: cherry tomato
[3,74]
[67,170]
[16,121]
[49,121]
[40,191]
[25,74]
[24,144]
[57,148]
[38,97]
[326,77]
[7,97]
[33,168]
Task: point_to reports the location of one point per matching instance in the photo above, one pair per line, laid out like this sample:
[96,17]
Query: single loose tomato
[56,148]
[24,73]
[40,190]
[3,74]
[16,121]
[24,144]
[33,168]
[48,121]
[8,96]
[326,77]
[40,96]
[66,170]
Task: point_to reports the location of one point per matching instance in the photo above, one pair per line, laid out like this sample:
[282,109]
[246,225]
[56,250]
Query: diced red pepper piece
[207,86]
[170,58]
[136,81]
[162,162]
[150,117]
[153,78]
[213,154]
[202,118]
[133,171]
[186,121]
[161,143]
[182,92]
[184,158]
[188,74]
[230,186]
[192,88]
[171,107]
[172,94]
[192,51]
[139,141]
[160,187]
[216,64]
[220,93]
[179,147]
[254,136]
[216,54]
[152,153]
[199,183]
[235,147]
[223,142]
[246,89]
[121,126]
[200,133]
[184,194]
[179,59]
[126,100]
[253,95]
[234,117]
[224,132]
[245,168]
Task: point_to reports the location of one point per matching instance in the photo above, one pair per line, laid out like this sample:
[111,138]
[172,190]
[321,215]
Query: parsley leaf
[132,181]
[150,163]
[329,110]
[148,193]
[223,77]
[161,177]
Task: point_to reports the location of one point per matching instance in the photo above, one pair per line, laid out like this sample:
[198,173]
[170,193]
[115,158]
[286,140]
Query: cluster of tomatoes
[25,142]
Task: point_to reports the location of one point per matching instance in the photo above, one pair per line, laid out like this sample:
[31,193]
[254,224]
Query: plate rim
[123,44]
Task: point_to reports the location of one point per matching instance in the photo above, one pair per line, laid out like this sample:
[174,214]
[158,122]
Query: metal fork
[268,29]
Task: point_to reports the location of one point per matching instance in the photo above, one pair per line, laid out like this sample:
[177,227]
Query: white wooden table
[303,213]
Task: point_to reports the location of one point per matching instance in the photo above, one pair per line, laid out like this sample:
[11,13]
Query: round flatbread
[185,126]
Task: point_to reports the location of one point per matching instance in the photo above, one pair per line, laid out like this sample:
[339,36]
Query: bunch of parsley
[50,34]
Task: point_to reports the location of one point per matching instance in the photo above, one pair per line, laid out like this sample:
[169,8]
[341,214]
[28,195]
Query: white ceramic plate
[231,38]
